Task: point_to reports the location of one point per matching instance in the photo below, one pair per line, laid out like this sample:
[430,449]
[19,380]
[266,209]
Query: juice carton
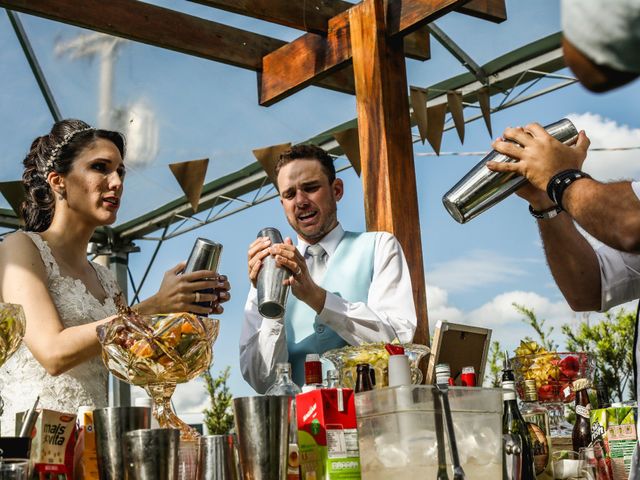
[86,459]
[615,427]
[327,435]
[53,443]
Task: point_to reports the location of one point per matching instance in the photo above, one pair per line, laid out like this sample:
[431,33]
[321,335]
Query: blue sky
[204,109]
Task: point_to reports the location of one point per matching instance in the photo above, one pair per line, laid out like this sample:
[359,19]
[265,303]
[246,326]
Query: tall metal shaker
[481,188]
[272,294]
[205,255]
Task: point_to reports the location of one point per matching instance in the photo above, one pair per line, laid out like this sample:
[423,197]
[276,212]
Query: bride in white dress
[73,179]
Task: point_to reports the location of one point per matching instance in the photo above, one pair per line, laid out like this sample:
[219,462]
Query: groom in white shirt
[347,288]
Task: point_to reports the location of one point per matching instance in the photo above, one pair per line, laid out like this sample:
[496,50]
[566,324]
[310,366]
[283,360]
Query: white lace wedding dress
[22,378]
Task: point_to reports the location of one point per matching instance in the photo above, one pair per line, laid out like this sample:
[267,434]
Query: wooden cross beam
[311,16]
[314,56]
[168,29]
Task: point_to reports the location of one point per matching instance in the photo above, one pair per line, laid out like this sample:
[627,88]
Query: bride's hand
[181,292]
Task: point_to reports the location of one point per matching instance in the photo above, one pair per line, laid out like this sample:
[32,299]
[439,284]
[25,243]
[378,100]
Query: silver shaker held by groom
[205,255]
[481,188]
[272,294]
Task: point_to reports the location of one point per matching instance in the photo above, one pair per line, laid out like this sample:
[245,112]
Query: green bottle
[514,424]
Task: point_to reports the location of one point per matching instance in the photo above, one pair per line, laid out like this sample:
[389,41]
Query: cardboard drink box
[53,443]
[327,435]
[615,427]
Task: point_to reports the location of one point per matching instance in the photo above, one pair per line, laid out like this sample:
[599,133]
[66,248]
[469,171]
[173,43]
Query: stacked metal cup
[152,454]
[205,255]
[272,293]
[110,426]
[262,427]
[481,188]
[217,458]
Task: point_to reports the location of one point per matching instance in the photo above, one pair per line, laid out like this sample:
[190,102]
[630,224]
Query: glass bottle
[312,369]
[581,435]
[333,379]
[284,385]
[514,424]
[363,379]
[602,395]
[537,418]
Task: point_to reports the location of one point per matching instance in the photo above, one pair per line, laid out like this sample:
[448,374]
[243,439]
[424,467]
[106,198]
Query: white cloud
[504,320]
[607,133]
[479,267]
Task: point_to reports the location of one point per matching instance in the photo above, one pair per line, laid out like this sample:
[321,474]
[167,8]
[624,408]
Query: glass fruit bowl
[157,352]
[554,372]
[345,360]
[12,327]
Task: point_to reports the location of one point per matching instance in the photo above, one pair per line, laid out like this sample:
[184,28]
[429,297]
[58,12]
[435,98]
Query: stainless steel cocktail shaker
[272,294]
[205,255]
[482,188]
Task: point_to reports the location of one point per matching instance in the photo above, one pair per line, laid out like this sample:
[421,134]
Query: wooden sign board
[459,346]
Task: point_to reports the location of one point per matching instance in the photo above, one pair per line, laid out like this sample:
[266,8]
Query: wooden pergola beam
[386,147]
[311,16]
[165,28]
[312,56]
[314,15]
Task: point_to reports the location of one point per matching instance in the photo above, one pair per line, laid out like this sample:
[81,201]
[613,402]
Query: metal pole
[120,391]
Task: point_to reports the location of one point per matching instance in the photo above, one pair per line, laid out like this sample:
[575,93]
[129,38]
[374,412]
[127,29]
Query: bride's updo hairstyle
[55,152]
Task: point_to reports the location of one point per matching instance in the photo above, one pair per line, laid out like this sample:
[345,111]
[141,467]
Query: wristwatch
[546,214]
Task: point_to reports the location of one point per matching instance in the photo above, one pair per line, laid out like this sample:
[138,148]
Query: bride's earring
[62,194]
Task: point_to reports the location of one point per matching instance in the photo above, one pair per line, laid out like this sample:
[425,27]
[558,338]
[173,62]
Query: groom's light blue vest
[349,274]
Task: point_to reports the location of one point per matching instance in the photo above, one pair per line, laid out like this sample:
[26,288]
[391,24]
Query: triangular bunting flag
[190,175]
[269,156]
[350,144]
[454,99]
[435,118]
[419,106]
[14,193]
[485,107]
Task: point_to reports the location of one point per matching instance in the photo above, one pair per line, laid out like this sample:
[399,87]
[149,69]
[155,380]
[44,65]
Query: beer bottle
[363,379]
[581,435]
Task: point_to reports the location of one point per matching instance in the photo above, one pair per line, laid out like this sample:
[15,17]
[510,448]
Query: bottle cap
[581,384]
[530,391]
[283,367]
[468,370]
[312,357]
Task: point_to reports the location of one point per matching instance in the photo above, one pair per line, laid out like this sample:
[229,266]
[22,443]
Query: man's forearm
[608,211]
[573,262]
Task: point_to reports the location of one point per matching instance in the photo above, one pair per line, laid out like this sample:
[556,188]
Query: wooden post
[386,150]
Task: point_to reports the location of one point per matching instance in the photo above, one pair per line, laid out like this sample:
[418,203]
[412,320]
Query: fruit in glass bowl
[376,355]
[12,327]
[157,352]
[554,372]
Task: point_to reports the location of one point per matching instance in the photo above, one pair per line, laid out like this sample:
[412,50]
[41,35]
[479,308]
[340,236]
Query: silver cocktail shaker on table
[272,294]
[481,188]
[205,255]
